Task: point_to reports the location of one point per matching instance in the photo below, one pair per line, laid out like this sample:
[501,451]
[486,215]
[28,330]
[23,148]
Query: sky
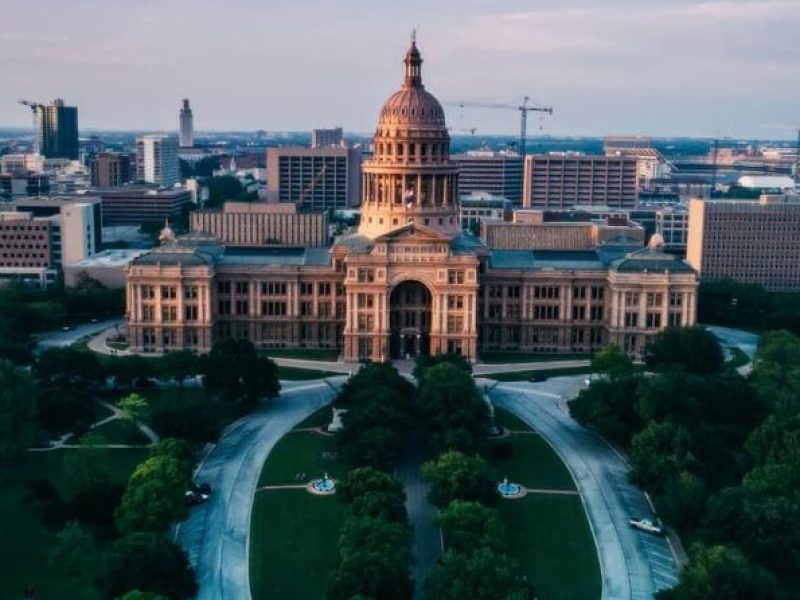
[607,67]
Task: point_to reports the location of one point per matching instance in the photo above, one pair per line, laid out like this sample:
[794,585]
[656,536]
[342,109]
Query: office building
[109,169]
[157,160]
[81,232]
[137,205]
[21,163]
[567,180]
[22,183]
[485,171]
[750,241]
[57,130]
[548,230]
[324,138]
[263,224]
[314,178]
[186,125]
[409,281]
[481,206]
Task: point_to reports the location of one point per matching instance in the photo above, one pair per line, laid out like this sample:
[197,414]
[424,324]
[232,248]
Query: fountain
[509,490]
[324,485]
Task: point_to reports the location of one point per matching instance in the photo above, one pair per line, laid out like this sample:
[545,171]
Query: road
[634,565]
[216,534]
[60,338]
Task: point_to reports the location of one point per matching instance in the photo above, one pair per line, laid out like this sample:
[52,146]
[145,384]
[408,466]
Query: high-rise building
[566,180]
[109,169]
[496,173]
[57,130]
[157,159]
[316,178]
[322,138]
[751,241]
[187,125]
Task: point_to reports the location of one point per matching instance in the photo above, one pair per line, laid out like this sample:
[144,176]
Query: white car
[648,525]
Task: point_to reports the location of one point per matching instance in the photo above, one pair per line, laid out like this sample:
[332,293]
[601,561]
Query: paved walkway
[634,565]
[427,538]
[216,534]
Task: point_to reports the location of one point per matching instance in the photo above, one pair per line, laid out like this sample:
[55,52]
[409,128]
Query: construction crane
[33,106]
[523,109]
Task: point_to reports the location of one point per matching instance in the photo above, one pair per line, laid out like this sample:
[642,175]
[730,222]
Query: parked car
[195,497]
[653,526]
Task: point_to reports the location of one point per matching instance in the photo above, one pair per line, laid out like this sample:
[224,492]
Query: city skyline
[665,69]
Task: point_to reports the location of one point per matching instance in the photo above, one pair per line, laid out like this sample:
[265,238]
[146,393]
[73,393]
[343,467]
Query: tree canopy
[691,349]
[234,370]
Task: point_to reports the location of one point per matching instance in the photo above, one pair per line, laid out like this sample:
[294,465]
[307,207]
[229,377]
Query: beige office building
[564,181]
[314,178]
[751,241]
[263,224]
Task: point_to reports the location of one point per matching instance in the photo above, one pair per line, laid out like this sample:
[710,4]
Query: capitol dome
[412,105]
[410,178]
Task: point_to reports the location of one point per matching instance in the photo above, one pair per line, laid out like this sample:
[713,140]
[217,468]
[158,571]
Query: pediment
[413,232]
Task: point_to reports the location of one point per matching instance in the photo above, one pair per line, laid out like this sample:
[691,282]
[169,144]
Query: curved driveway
[215,536]
[634,565]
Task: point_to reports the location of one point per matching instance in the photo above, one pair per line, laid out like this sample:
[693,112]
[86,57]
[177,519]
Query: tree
[425,361]
[453,411]
[483,574]
[68,368]
[612,361]
[16,411]
[225,188]
[373,493]
[765,527]
[776,370]
[82,466]
[457,476]
[658,453]
[154,496]
[775,448]
[238,374]
[722,572]
[610,408]
[468,525]
[180,365]
[374,560]
[682,500]
[62,410]
[133,405]
[692,349]
[149,562]
[138,595]
[74,549]
[728,302]
[127,369]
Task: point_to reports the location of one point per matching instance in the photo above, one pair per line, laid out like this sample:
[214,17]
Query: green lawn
[294,535]
[539,375]
[293,542]
[299,452]
[319,419]
[24,542]
[532,462]
[122,431]
[548,535]
[298,374]
[550,538]
[326,354]
[505,356]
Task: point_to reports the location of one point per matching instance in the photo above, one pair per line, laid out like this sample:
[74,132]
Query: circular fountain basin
[322,486]
[509,490]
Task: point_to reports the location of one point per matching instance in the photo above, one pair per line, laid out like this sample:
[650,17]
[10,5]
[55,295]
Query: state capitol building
[410,281]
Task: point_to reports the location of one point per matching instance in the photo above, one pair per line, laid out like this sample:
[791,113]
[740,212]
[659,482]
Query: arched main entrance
[409,320]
